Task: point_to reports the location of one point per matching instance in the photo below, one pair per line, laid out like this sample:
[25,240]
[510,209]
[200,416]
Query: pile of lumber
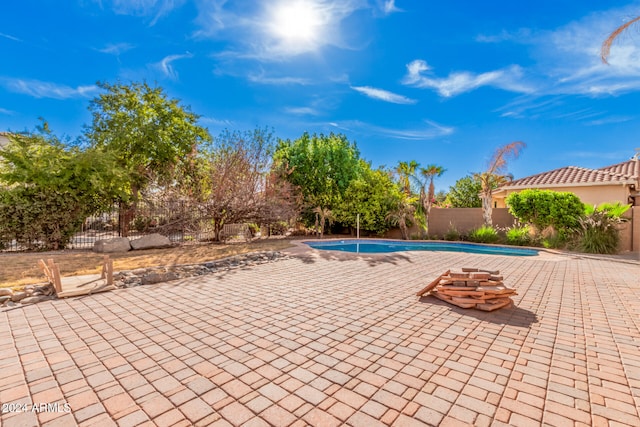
[471,288]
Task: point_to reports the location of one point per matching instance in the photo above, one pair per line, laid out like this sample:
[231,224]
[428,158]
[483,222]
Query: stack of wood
[471,288]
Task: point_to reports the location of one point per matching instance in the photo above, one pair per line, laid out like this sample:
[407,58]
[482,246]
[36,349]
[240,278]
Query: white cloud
[431,130]
[509,79]
[165,65]
[211,121]
[155,9]
[610,120]
[302,111]
[116,49]
[522,35]
[261,78]
[40,89]
[383,95]
[7,112]
[388,6]
[10,37]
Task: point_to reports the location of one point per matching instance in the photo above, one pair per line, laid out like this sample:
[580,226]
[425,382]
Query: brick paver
[329,339]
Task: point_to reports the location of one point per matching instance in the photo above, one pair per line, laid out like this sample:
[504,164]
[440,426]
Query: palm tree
[325,215]
[405,171]
[402,214]
[495,176]
[424,178]
[430,173]
[606,46]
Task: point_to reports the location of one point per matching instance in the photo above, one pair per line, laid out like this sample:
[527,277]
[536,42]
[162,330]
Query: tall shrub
[47,189]
[544,208]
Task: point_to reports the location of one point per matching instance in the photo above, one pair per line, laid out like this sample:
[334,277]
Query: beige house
[615,183]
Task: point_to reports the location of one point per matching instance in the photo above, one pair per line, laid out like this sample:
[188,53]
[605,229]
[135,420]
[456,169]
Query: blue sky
[438,82]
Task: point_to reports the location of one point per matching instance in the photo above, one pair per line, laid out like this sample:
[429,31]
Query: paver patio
[329,340]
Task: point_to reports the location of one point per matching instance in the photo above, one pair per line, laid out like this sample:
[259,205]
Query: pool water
[386,246]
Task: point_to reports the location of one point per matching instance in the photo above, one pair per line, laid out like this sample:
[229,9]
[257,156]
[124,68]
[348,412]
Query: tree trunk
[487,210]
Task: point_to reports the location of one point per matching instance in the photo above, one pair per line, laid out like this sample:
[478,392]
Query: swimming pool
[385,246]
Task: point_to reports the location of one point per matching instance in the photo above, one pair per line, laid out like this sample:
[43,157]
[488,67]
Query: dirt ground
[19,269]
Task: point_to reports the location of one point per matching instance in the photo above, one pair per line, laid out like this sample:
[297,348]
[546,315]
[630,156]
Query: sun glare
[297,21]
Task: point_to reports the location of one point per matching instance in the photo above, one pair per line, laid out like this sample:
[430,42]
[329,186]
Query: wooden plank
[454,288]
[467,300]
[432,285]
[55,272]
[45,270]
[473,270]
[492,307]
[461,293]
[107,270]
[79,292]
[443,297]
[498,291]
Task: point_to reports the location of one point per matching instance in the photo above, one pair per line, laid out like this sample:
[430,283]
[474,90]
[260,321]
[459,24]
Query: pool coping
[302,248]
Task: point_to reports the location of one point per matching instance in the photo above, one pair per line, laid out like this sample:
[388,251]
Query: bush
[545,208]
[519,236]
[37,219]
[555,241]
[452,234]
[598,232]
[484,234]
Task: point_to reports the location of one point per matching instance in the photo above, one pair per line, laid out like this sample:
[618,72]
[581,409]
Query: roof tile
[625,172]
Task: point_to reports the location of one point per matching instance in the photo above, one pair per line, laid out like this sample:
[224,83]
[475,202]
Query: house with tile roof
[615,183]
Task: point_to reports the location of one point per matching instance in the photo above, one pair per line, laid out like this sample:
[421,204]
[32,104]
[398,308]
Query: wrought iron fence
[179,220]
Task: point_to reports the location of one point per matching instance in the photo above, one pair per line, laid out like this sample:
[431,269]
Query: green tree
[495,176]
[321,167]
[51,187]
[465,193]
[148,133]
[372,196]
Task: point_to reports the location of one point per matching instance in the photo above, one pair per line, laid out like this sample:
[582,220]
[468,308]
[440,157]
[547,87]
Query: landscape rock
[5,292]
[117,244]
[5,298]
[152,278]
[151,241]
[17,296]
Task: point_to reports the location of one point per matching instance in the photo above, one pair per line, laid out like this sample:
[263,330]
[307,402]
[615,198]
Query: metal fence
[179,220]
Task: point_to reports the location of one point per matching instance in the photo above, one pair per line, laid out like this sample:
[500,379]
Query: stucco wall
[630,232]
[465,219]
[591,195]
[636,229]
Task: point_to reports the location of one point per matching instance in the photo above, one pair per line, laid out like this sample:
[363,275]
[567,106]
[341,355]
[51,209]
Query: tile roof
[630,168]
[622,173]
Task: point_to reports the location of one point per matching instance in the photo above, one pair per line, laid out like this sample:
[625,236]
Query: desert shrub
[452,233]
[519,236]
[598,232]
[484,234]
